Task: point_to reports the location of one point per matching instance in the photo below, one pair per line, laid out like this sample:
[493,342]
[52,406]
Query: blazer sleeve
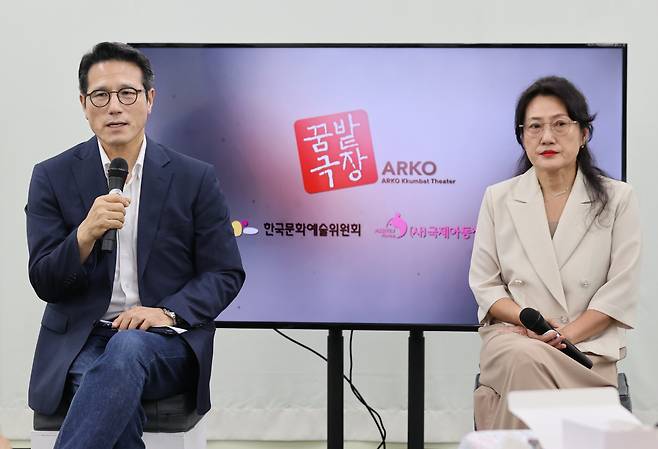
[55,270]
[485,273]
[618,296]
[219,273]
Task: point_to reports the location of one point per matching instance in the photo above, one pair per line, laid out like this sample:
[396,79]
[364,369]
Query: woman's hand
[551,337]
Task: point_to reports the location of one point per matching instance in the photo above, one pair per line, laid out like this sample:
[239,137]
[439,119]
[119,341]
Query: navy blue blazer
[187,257]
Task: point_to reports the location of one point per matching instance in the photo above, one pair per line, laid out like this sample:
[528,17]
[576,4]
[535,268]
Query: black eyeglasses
[126,96]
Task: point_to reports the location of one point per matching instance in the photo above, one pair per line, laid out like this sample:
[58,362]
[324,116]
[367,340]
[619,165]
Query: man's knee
[129,346]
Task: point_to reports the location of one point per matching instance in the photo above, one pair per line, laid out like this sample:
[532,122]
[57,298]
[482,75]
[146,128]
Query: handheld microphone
[533,320]
[116,178]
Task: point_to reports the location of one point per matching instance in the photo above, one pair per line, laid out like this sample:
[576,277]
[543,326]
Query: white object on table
[613,435]
[500,439]
[545,412]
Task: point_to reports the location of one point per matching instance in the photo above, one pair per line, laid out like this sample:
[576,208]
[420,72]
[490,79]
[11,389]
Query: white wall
[263,387]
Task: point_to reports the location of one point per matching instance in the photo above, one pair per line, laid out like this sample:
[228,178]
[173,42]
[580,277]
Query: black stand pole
[335,389]
[416,414]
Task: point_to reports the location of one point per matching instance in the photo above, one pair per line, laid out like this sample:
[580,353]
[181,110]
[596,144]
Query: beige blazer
[588,264]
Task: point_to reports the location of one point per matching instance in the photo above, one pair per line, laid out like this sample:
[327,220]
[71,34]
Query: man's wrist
[85,242]
[171,315]
[84,236]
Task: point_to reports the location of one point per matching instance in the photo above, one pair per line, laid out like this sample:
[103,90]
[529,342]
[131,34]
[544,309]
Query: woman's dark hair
[576,105]
[114,51]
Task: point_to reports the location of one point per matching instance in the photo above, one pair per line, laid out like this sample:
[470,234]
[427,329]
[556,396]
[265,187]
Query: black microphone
[533,320]
[116,178]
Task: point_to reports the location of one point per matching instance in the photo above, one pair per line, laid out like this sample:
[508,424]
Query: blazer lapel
[576,219]
[156,176]
[88,173]
[90,178]
[526,206]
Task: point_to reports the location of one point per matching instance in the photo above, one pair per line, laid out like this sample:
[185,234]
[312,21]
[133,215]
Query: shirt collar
[139,163]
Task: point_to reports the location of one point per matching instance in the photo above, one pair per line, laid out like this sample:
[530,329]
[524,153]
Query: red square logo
[335,151]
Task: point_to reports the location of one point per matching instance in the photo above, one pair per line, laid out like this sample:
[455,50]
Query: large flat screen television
[355,173]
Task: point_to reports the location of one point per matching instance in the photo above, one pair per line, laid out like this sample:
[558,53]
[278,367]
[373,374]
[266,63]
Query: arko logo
[412,172]
[410,168]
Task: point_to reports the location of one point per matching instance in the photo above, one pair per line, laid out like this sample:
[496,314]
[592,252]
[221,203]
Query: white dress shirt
[125,289]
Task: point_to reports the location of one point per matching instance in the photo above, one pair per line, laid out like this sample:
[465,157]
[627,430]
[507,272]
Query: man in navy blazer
[176,263]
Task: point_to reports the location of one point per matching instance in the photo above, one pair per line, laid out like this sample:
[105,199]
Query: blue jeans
[108,379]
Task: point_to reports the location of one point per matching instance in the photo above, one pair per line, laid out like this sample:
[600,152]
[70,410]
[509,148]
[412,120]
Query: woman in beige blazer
[561,238]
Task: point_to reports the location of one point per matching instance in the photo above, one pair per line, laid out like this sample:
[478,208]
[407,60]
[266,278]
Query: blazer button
[564,319]
[518,282]
[584,283]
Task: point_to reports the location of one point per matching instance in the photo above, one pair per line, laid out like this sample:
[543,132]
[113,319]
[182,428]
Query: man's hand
[142,318]
[107,212]
[552,337]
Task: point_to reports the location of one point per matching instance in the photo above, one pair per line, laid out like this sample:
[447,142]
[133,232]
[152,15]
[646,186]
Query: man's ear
[150,98]
[83,103]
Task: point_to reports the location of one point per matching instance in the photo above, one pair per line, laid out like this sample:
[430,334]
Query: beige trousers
[509,362]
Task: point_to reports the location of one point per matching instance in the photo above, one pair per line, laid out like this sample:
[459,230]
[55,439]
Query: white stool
[192,439]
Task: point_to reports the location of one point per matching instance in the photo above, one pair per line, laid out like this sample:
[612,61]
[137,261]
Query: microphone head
[529,317]
[118,168]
